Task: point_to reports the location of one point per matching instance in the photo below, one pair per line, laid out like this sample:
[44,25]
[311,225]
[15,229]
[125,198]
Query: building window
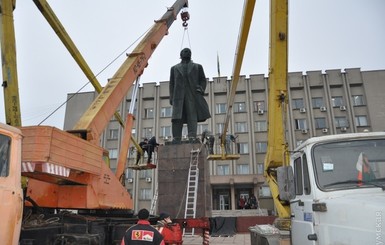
[261,147]
[201,128]
[243,148]
[341,122]
[145,194]
[240,127]
[185,131]
[358,100]
[166,111]
[243,169]
[239,107]
[165,131]
[320,122]
[300,124]
[147,132]
[361,121]
[297,103]
[219,128]
[260,126]
[113,153]
[149,113]
[223,170]
[133,132]
[129,173]
[264,191]
[145,174]
[135,112]
[114,133]
[220,108]
[260,168]
[259,105]
[317,102]
[129,107]
[337,101]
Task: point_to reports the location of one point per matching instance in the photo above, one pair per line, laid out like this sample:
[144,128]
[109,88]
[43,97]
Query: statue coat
[197,82]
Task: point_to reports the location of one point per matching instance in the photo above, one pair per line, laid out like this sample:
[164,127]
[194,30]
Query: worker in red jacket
[171,232]
[142,233]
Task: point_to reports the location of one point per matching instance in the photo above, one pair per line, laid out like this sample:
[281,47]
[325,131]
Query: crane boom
[66,167]
[95,119]
[59,29]
[8,60]
[244,28]
[277,100]
[66,171]
[247,15]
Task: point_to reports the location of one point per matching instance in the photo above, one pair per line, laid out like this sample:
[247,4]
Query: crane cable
[188,38]
[100,72]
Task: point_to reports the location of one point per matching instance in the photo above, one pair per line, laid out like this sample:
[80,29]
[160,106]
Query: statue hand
[200,90]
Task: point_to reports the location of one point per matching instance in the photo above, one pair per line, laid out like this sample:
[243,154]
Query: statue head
[185,54]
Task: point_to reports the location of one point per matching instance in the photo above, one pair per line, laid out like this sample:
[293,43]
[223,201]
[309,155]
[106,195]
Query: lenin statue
[187,88]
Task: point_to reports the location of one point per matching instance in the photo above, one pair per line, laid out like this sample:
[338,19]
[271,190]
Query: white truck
[336,188]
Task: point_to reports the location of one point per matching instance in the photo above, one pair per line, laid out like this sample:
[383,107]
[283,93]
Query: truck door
[302,221]
[10,187]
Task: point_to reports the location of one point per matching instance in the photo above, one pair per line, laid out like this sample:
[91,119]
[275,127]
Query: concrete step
[239,212]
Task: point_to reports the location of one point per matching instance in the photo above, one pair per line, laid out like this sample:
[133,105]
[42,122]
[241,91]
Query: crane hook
[185,17]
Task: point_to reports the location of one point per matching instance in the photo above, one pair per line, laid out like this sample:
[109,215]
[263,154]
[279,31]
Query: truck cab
[339,190]
[11,196]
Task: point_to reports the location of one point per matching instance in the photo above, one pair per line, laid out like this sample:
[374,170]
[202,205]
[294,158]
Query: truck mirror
[285,179]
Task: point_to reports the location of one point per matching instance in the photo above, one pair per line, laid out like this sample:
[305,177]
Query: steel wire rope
[188,38]
[97,74]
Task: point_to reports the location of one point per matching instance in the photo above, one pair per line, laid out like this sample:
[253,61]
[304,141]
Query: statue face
[185,54]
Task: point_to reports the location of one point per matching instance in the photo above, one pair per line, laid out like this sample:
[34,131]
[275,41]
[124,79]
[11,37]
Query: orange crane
[68,170]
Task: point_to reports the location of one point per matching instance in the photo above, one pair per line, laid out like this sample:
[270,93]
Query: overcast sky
[323,34]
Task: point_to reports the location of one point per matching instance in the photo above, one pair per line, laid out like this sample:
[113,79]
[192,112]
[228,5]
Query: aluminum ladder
[192,190]
[154,202]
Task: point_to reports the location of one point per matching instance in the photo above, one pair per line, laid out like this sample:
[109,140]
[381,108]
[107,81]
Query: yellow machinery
[10,82]
[276,155]
[66,171]
[277,104]
[247,15]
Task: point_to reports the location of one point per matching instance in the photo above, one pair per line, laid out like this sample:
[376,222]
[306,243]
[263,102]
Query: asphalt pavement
[239,239]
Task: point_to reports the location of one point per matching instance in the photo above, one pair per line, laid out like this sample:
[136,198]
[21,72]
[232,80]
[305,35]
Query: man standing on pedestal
[187,87]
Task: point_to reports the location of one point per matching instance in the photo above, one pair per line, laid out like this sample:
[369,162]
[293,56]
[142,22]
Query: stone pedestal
[173,168]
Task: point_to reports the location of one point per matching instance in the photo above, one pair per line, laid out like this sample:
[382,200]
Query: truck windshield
[350,164]
[5,143]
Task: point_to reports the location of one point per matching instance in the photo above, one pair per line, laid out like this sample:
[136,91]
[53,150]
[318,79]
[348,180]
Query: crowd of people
[250,203]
